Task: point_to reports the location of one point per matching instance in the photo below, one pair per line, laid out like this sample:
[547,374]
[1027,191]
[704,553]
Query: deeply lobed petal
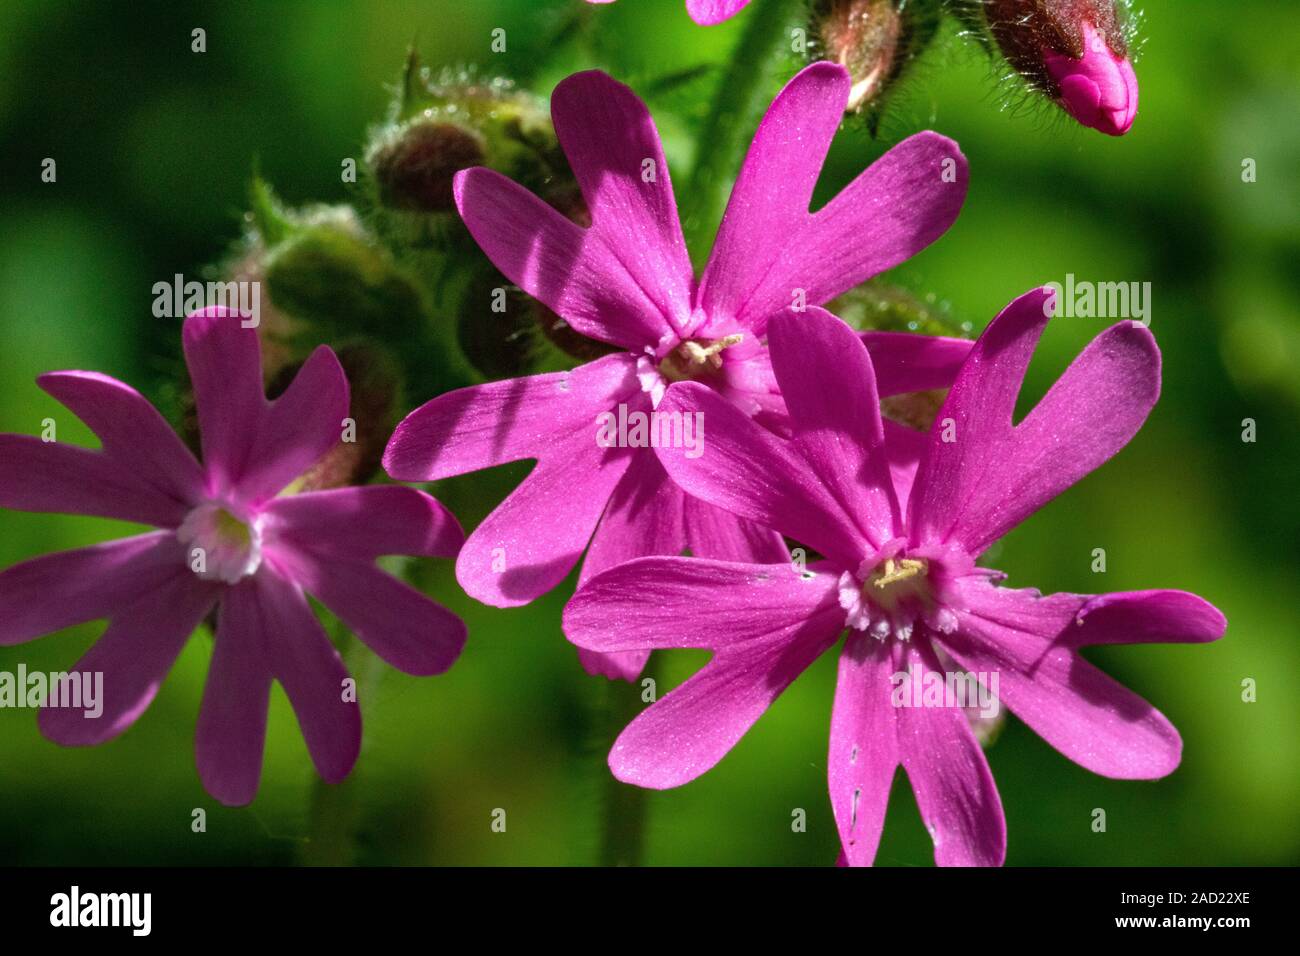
[406,628]
[485,425]
[863,752]
[627,278]
[984,474]
[770,247]
[949,773]
[767,623]
[36,475]
[829,386]
[1031,642]
[649,515]
[747,470]
[230,737]
[131,431]
[253,447]
[360,524]
[55,591]
[134,655]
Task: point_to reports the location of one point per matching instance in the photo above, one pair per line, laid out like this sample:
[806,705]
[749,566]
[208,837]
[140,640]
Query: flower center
[887,598]
[220,545]
[694,358]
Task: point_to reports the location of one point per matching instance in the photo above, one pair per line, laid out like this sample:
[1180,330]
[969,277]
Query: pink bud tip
[1099,90]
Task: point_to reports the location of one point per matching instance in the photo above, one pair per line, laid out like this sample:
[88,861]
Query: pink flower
[627,281]
[707,12]
[1100,89]
[899,574]
[227,539]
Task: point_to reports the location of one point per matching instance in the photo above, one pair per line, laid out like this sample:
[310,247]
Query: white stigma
[886,599]
[220,545]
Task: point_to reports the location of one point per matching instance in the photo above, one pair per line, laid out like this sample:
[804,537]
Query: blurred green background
[155,145]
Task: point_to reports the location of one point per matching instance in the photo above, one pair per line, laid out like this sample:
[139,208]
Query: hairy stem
[336,808]
[758,59]
[624,807]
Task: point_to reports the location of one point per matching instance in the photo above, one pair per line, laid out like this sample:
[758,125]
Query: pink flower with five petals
[228,539]
[899,575]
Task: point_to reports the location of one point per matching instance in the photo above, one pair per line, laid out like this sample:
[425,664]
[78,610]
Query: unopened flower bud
[441,124]
[415,163]
[878,306]
[1076,52]
[1099,89]
[874,40]
[341,282]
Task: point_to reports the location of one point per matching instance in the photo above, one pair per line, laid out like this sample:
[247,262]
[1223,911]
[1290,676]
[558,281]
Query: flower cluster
[797,451]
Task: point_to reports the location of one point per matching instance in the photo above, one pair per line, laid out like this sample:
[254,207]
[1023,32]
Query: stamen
[712,353]
[896,571]
[886,600]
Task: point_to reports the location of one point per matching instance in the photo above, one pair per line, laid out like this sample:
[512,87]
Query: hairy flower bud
[874,40]
[415,164]
[1076,52]
[343,283]
[441,124]
[878,306]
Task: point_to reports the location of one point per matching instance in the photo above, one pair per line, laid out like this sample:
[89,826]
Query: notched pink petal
[984,474]
[745,469]
[55,591]
[130,430]
[950,776]
[1031,642]
[53,477]
[829,386]
[132,657]
[498,422]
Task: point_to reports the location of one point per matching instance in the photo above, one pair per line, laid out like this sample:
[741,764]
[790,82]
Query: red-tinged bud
[441,123]
[1076,52]
[1100,89]
[874,40]
[415,165]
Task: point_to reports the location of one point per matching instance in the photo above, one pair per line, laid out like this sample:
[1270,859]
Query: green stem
[733,115]
[624,807]
[336,808]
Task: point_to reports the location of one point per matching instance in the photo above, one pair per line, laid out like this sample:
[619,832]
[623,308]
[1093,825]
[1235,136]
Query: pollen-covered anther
[891,571]
[692,357]
[886,600]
